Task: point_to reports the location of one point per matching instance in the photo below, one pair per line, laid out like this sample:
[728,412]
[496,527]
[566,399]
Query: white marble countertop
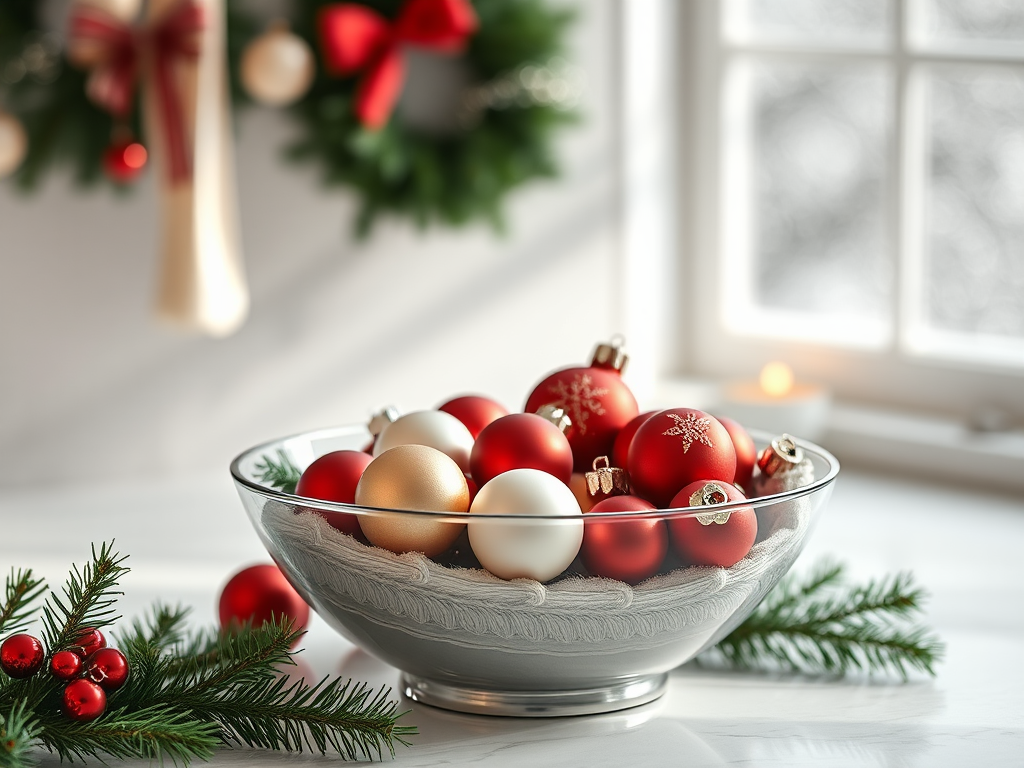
[967,548]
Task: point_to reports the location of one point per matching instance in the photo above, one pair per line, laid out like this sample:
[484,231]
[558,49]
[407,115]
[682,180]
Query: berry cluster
[90,668]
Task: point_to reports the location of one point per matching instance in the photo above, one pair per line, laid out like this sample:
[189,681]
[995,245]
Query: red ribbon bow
[116,52]
[355,38]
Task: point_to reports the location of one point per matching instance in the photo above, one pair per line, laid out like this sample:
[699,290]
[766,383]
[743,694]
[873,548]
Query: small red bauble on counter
[475,411]
[334,477]
[674,448]
[84,701]
[713,538]
[628,550]
[258,592]
[596,400]
[746,452]
[21,656]
[108,668]
[520,441]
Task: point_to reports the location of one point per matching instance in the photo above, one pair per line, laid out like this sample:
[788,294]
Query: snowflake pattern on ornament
[691,428]
[580,398]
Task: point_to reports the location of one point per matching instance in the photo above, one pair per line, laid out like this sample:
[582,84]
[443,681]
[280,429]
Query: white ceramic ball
[277,68]
[527,549]
[13,144]
[436,429]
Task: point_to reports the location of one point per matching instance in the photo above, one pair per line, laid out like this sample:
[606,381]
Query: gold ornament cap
[610,355]
[606,480]
[556,415]
[381,419]
[707,496]
[782,455]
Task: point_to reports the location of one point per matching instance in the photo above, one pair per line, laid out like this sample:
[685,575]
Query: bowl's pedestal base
[587,701]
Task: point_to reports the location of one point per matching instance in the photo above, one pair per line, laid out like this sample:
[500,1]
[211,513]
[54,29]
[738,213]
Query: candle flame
[776,379]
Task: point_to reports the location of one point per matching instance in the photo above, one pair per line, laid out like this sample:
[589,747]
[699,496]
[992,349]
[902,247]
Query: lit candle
[777,403]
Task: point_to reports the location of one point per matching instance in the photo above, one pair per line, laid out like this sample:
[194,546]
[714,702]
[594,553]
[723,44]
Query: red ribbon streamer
[120,50]
[355,38]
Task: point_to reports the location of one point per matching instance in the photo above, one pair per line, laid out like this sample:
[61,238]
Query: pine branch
[21,591]
[281,474]
[823,626]
[18,732]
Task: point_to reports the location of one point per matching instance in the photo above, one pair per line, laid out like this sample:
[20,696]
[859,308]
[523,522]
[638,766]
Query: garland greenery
[189,692]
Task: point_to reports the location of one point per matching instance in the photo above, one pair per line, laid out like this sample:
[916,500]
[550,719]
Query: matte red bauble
[21,655]
[674,448]
[520,441]
[84,700]
[620,448]
[628,550]
[89,641]
[746,451]
[598,402]
[474,411]
[257,593]
[334,477]
[723,538]
[108,668]
[65,665]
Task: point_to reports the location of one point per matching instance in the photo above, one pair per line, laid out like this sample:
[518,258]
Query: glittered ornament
[415,478]
[13,143]
[65,665]
[21,655]
[108,668]
[746,452]
[83,701]
[629,550]
[278,67]
[714,537]
[620,448]
[88,641]
[333,477]
[474,411]
[596,400]
[434,429]
[674,448]
[258,592]
[525,548]
[521,441]
[124,160]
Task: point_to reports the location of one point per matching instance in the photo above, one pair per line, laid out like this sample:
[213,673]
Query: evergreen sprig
[189,692]
[280,473]
[21,590]
[822,625]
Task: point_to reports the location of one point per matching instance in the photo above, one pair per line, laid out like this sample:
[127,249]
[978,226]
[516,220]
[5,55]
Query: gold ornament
[418,478]
[13,143]
[578,486]
[277,67]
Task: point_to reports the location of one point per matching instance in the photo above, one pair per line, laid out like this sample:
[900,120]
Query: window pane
[818,185]
[958,20]
[973,279]
[857,22]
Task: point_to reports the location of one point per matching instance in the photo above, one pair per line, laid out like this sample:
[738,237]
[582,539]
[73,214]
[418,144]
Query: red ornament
[620,448]
[334,477]
[21,656]
[89,641]
[520,441]
[258,592]
[65,665]
[108,668]
[473,488]
[123,161]
[723,538]
[84,700]
[746,451]
[474,411]
[628,550]
[596,400]
[673,448]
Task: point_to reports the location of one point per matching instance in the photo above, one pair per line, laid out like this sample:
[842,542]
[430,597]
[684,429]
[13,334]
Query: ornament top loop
[610,354]
[782,455]
[556,415]
[381,419]
[709,495]
[606,480]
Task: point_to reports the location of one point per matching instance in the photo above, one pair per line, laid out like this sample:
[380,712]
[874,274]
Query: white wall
[92,388]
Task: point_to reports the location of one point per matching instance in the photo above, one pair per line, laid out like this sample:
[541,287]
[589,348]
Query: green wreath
[452,177]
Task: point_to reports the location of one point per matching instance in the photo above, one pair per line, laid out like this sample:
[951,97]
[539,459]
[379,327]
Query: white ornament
[277,67]
[13,144]
[436,429]
[124,10]
[527,548]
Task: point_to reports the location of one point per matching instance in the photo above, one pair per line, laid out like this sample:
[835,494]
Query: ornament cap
[605,480]
[782,455]
[381,419]
[556,415]
[709,495]
[610,355]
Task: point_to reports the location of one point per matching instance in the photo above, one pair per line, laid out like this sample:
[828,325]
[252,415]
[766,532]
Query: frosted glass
[953,20]
[813,21]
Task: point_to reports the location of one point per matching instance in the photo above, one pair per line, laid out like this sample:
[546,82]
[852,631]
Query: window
[854,196]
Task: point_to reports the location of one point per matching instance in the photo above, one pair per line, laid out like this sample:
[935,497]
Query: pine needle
[18,732]
[281,474]
[22,589]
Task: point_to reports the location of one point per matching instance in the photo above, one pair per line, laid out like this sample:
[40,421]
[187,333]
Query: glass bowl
[468,641]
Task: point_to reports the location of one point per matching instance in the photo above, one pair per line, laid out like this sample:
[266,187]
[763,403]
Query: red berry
[108,668]
[65,665]
[84,700]
[89,641]
[21,656]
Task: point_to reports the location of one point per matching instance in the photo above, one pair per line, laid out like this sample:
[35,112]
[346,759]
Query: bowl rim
[319,505]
